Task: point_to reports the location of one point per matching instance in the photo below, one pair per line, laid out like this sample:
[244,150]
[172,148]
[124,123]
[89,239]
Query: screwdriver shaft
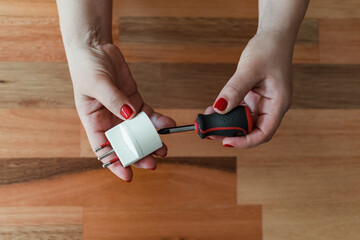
[177,129]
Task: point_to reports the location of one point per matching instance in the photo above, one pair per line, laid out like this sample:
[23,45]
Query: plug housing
[134,139]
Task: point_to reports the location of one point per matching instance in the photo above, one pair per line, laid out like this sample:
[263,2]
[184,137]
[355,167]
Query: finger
[265,127]
[161,152]
[147,162]
[209,110]
[159,120]
[234,91]
[114,100]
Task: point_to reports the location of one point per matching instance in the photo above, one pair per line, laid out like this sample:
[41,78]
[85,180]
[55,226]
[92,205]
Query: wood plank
[62,232]
[184,184]
[331,9]
[30,31]
[307,177]
[30,38]
[18,170]
[206,222]
[37,216]
[326,86]
[38,222]
[229,8]
[39,133]
[315,86]
[20,8]
[311,221]
[169,39]
[178,8]
[39,85]
[339,41]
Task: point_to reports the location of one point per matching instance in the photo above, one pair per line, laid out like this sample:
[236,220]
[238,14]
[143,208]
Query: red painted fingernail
[227,145]
[221,104]
[126,111]
[209,138]
[128,180]
[153,168]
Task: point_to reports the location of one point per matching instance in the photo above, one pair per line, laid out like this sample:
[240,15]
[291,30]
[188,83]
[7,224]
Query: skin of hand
[102,85]
[263,81]
[263,78]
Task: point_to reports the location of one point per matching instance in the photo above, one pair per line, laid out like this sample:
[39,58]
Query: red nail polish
[221,104]
[209,138]
[126,111]
[128,180]
[153,168]
[227,145]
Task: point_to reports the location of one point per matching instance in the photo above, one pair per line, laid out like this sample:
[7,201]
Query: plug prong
[106,154]
[110,162]
[102,146]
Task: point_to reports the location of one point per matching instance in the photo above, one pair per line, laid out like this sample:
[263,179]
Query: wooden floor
[304,184]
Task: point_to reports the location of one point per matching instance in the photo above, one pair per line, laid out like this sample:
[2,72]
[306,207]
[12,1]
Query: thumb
[233,93]
[114,100]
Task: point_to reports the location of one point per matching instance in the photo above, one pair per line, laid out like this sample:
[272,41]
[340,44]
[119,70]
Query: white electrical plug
[133,139]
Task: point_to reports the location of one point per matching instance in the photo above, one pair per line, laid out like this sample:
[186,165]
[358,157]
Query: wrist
[84,38]
[287,41]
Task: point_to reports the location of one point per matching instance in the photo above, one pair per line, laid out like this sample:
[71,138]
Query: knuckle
[232,87]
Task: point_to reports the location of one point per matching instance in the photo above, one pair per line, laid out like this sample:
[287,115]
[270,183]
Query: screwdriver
[236,123]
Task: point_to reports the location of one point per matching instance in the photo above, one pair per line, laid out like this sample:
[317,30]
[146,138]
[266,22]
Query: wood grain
[39,133]
[185,185]
[41,222]
[17,170]
[339,41]
[40,36]
[62,232]
[59,215]
[311,221]
[35,85]
[315,85]
[178,8]
[229,8]
[307,177]
[183,197]
[318,86]
[169,39]
[326,86]
[213,221]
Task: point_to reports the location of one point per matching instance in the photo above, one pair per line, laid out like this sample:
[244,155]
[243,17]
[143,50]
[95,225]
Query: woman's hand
[263,81]
[105,95]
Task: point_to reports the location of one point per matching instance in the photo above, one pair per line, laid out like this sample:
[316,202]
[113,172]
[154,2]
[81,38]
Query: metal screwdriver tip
[106,154]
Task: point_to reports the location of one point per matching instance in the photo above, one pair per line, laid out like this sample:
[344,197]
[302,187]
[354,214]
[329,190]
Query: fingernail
[227,145]
[221,104]
[128,181]
[164,155]
[153,168]
[126,111]
[208,138]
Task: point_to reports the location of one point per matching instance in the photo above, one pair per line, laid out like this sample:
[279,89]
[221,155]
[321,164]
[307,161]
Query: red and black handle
[237,122]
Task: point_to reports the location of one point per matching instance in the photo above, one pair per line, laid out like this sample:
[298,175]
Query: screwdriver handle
[237,122]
